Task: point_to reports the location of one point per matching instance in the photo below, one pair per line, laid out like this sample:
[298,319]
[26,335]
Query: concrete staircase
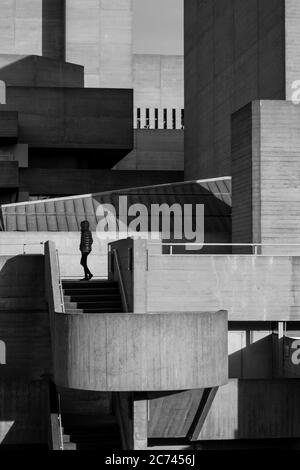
[87,421]
[92,296]
[85,432]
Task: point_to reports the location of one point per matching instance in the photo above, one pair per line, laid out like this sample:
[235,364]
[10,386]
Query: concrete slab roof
[66,213]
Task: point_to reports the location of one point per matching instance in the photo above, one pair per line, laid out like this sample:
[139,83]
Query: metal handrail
[60,424]
[62,303]
[120,276]
[243,245]
[24,245]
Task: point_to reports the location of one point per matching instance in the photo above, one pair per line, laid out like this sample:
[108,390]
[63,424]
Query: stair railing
[121,281]
[55,423]
[60,284]
[60,424]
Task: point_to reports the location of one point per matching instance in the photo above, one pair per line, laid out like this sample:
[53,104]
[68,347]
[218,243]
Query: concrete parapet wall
[128,352]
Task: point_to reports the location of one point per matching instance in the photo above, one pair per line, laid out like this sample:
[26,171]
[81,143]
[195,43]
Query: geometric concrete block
[9,175]
[8,126]
[266,176]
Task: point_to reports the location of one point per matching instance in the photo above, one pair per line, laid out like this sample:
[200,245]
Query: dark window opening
[165,118]
[138,118]
[156,118]
[173,118]
[147,126]
[182,119]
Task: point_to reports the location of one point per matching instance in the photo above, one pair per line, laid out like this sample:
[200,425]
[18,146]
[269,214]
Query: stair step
[92,431]
[70,446]
[94,305]
[95,311]
[105,446]
[95,436]
[79,423]
[87,291]
[88,284]
[91,297]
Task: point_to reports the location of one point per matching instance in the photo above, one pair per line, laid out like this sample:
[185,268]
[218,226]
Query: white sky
[158,26]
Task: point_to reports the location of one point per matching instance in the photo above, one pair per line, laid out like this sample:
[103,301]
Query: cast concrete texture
[234,53]
[292,37]
[9,175]
[158,83]
[32,70]
[266,174]
[72,117]
[32,27]
[25,331]
[8,126]
[155,150]
[99,36]
[96,34]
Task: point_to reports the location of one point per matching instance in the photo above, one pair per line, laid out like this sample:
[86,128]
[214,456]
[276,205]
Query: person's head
[85,225]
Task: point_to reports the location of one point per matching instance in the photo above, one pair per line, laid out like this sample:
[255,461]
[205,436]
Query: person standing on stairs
[85,247]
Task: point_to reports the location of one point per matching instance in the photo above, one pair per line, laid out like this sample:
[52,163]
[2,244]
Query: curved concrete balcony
[140,352]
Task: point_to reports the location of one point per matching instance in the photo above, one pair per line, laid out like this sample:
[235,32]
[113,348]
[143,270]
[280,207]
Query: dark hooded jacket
[86,240]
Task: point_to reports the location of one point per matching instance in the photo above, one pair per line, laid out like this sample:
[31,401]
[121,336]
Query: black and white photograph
[150,228]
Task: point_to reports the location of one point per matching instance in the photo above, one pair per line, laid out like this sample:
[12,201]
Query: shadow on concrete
[25,339]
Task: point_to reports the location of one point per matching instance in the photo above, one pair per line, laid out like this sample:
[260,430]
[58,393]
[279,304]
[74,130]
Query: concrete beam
[81,181]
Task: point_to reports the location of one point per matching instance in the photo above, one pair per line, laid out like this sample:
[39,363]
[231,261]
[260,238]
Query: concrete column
[143,118]
[178,118]
[160,118]
[265,176]
[169,119]
[140,421]
[135,118]
[33,27]
[2,92]
[152,118]
[53,28]
[140,275]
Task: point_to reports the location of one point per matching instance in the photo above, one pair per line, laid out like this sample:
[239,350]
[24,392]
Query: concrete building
[235,52]
[176,343]
[158,92]
[99,37]
[65,125]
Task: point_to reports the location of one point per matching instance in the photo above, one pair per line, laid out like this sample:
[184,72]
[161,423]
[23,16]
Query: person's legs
[88,271]
[83,262]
